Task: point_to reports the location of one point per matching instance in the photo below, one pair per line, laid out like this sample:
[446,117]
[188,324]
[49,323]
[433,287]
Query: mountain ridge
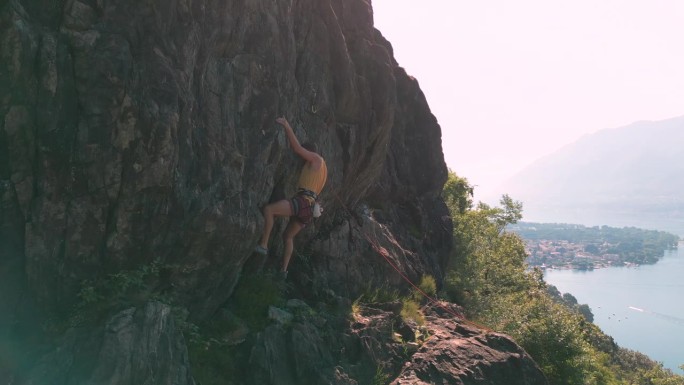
[615,173]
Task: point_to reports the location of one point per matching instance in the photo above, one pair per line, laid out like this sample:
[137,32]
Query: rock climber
[299,208]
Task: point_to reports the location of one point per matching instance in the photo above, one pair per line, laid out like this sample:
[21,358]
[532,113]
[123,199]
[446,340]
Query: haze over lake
[640,307]
[626,176]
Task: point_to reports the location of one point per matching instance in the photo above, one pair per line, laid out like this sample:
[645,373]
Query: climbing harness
[317,209]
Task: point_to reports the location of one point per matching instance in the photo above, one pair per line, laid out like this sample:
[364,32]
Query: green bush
[380,378]
[252,298]
[428,286]
[379,295]
[214,364]
[410,310]
[98,297]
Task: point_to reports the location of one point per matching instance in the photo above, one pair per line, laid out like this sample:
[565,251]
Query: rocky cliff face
[140,131]
[135,346]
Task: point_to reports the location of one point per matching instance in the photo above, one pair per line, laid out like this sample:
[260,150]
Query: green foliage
[252,298]
[214,364]
[595,235]
[427,285]
[214,350]
[551,334]
[488,275]
[636,368]
[486,261]
[379,294]
[509,213]
[410,310]
[380,378]
[458,194]
[569,301]
[592,249]
[586,312]
[89,293]
[213,360]
[124,288]
[630,244]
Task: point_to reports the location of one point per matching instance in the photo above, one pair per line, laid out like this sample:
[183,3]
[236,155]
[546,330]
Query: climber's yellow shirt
[311,179]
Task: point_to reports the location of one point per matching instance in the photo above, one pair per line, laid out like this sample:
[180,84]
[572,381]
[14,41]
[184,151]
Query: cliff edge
[139,133]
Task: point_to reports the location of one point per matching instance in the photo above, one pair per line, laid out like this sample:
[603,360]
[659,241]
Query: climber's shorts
[302,208]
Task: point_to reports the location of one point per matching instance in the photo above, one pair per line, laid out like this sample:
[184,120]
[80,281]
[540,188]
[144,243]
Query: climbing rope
[386,255]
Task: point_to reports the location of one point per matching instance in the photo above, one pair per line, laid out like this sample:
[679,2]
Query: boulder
[459,352]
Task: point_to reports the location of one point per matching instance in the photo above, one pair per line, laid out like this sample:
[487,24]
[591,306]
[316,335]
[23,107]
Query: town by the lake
[560,254]
[569,246]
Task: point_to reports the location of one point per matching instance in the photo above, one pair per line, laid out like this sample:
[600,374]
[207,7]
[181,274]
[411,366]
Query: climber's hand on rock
[282,121]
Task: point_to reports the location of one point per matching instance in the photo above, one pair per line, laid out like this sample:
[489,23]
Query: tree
[458,193]
[591,248]
[569,299]
[585,310]
[510,212]
[486,260]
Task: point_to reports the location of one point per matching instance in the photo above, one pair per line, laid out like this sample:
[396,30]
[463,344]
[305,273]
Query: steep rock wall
[141,131]
[133,131]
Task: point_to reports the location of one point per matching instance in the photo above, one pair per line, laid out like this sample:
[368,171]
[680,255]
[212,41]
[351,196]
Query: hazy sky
[512,81]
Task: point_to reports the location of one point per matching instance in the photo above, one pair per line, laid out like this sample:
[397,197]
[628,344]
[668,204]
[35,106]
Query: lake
[642,307]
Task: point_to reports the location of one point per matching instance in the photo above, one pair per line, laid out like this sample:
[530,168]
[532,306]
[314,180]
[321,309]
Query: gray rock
[136,346]
[280,316]
[297,304]
[142,346]
[458,353]
[134,130]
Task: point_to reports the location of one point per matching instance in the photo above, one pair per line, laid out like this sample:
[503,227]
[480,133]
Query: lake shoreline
[637,306]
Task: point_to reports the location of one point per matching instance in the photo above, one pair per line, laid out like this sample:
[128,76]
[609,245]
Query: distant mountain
[627,176]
